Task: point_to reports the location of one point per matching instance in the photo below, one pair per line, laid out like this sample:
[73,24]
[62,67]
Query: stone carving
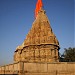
[40,45]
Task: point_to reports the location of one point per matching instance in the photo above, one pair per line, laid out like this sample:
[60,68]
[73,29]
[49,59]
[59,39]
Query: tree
[68,55]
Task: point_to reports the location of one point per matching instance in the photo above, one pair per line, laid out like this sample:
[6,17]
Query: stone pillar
[21,68]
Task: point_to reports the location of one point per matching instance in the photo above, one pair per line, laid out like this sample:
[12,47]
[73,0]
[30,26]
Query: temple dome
[41,31]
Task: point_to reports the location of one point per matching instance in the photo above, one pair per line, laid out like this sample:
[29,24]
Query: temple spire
[40,44]
[39,5]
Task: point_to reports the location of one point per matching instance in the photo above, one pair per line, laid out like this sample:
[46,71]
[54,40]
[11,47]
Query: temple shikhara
[40,44]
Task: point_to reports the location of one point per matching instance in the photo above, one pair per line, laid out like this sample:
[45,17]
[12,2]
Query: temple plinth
[40,44]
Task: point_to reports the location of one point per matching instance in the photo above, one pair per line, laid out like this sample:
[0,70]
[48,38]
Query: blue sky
[17,16]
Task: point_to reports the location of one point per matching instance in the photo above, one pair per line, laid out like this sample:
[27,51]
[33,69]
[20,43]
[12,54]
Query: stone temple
[40,44]
[39,53]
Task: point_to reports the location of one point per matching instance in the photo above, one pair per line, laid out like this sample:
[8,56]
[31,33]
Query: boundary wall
[25,68]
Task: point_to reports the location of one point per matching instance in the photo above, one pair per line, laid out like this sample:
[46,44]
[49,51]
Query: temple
[40,44]
[39,53]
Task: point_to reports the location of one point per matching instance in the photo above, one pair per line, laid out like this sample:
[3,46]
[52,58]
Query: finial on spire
[39,5]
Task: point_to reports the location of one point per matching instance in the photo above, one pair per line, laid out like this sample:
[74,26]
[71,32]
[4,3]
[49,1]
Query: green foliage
[68,55]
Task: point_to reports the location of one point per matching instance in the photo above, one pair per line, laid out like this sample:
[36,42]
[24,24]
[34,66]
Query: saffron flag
[39,5]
